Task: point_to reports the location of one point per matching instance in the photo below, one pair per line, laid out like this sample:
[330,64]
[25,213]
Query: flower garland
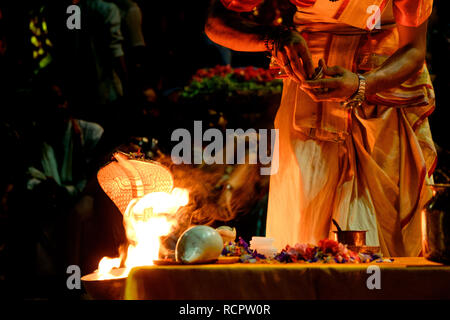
[242,250]
[228,81]
[327,251]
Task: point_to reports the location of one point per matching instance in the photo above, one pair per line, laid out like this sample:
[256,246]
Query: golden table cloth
[405,278]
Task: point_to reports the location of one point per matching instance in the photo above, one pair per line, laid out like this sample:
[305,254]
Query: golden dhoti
[368,167]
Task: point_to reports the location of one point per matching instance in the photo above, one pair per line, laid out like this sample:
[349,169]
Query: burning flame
[145,220]
[107,264]
[425,247]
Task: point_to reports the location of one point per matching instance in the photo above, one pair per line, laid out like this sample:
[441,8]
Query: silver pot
[436,225]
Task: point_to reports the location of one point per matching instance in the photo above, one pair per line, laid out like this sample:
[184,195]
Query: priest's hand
[340,87]
[292,55]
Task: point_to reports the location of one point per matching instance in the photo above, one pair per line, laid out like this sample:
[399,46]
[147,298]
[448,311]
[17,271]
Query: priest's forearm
[403,64]
[229,29]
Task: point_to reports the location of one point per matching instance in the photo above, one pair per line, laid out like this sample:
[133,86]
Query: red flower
[202,73]
[354,255]
[301,248]
[310,253]
[249,73]
[329,246]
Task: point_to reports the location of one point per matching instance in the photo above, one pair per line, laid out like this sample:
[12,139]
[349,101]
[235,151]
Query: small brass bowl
[351,237]
[107,289]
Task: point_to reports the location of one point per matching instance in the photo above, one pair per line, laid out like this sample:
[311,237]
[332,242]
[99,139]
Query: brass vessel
[436,225]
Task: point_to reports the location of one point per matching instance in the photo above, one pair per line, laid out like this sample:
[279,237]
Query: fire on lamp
[143,191]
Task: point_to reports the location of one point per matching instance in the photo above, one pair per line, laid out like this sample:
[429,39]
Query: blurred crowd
[69,98]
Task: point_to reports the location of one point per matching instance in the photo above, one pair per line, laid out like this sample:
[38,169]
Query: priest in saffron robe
[354,144]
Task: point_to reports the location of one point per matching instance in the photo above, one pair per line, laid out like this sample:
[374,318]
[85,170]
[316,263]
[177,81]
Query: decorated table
[210,264]
[403,278]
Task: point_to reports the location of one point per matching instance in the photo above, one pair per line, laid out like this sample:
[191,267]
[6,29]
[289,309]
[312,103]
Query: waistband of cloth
[357,52]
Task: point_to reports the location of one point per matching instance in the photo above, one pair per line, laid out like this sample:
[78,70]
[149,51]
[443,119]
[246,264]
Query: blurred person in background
[133,40]
[60,151]
[66,144]
[91,59]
